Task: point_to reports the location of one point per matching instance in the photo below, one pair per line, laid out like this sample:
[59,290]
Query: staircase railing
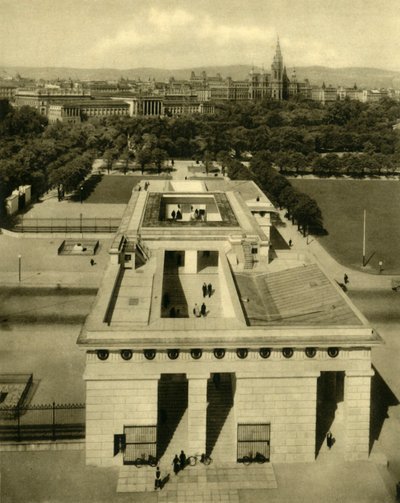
[143,249]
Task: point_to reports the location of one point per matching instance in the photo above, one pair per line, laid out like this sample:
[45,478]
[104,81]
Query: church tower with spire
[277,74]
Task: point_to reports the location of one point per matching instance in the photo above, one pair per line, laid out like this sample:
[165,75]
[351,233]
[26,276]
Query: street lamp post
[19,268]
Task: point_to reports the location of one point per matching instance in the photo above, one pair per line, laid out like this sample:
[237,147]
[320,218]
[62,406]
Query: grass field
[342,203]
[110,189]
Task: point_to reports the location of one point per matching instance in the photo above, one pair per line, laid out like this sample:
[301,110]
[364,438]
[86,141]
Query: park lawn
[112,189]
[342,203]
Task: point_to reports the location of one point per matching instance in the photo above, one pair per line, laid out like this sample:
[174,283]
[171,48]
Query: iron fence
[65,225]
[42,422]
[253,439]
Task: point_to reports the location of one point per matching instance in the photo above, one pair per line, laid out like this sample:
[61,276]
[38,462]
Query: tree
[159,156]
[307,214]
[126,156]
[110,155]
[144,157]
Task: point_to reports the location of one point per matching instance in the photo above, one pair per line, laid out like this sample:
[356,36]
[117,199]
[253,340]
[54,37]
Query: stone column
[197,413]
[190,261]
[357,399]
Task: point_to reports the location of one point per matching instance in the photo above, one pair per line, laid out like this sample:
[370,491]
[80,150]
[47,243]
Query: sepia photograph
[199,251]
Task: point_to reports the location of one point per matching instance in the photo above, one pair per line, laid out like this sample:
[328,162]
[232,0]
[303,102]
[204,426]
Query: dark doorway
[172,403]
[174,303]
[330,393]
[173,260]
[207,261]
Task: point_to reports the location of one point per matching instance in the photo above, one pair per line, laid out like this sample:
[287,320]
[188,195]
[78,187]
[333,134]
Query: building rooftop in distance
[170,242]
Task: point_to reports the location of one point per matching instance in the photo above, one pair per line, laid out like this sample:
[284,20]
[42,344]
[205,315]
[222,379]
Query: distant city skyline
[175,34]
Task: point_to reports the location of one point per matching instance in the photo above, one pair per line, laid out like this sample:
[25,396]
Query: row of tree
[301,208]
[305,128]
[294,136]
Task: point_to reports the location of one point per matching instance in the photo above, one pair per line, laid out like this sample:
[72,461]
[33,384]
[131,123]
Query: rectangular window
[140,442]
[253,439]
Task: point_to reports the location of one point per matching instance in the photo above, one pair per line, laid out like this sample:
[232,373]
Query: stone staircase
[215,483]
[218,411]
[199,484]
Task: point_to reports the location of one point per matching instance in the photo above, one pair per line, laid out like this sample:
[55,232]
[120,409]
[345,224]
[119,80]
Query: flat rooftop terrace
[264,309]
[155,212]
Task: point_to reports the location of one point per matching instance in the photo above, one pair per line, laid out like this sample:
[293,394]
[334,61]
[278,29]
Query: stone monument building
[276,358]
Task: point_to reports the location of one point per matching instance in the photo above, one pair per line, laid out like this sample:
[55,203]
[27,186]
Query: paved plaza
[44,473]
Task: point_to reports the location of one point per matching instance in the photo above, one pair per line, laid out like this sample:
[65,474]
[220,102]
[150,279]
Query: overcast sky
[189,33]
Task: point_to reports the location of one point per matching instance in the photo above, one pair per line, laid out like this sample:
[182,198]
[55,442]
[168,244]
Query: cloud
[181,39]
[169,20]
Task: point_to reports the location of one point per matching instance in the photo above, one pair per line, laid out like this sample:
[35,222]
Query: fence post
[54,420]
[18,425]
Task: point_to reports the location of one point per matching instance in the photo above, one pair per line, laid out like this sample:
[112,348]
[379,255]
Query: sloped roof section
[298,296]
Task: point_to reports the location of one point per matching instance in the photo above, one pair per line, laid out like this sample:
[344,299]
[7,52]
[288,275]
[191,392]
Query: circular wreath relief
[126,354]
[311,352]
[196,353]
[219,353]
[149,354]
[173,354]
[102,354]
[333,352]
[242,353]
[287,352]
[265,352]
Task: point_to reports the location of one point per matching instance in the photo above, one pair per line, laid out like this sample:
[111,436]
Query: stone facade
[109,406]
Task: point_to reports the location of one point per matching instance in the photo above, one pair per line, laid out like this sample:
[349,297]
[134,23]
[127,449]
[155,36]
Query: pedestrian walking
[173,214]
[329,440]
[346,279]
[290,243]
[182,460]
[204,288]
[209,289]
[196,311]
[176,464]
[92,262]
[157,481]
[380,266]
[203,309]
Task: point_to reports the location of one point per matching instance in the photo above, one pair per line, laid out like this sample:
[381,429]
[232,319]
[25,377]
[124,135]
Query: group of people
[202,311]
[197,215]
[179,463]
[207,289]
[176,215]
[146,186]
